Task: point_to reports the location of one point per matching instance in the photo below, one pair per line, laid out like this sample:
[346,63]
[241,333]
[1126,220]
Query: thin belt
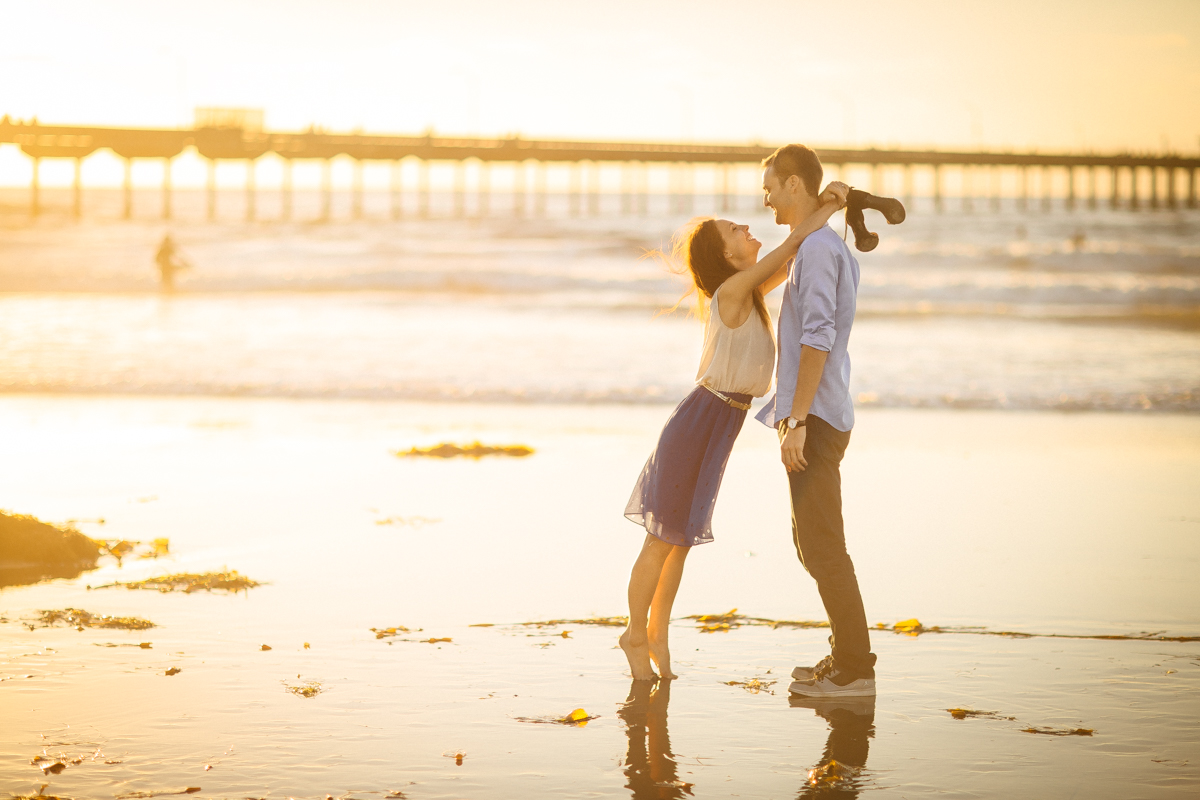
[727,400]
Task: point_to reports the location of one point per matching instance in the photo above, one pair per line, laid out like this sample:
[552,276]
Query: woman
[676,492]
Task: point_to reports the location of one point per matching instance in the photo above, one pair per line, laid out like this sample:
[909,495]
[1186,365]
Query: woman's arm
[771,269]
[813,223]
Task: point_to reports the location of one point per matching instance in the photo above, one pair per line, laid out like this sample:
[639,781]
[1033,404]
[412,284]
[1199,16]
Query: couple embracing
[811,412]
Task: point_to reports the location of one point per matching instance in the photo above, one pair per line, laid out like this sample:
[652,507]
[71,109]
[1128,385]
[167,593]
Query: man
[813,413]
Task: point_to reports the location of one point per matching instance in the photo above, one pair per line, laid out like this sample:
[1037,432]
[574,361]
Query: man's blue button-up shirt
[819,299]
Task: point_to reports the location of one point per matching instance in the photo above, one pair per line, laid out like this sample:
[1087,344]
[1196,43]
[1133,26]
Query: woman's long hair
[700,251]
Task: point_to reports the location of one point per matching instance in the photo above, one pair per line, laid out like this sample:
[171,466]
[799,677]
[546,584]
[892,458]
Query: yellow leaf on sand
[265,647]
[577,715]
[908,626]
[306,645]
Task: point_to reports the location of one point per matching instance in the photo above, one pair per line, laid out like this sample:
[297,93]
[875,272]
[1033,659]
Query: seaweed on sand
[190,582]
[913,627]
[834,775]
[119,548]
[411,522]
[606,622]
[309,689]
[719,623]
[731,620]
[79,619]
[32,550]
[383,633]
[577,718]
[964,713]
[754,685]
[475,450]
[1059,731]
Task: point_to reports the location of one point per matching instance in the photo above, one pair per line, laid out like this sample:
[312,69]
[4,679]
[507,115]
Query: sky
[1046,75]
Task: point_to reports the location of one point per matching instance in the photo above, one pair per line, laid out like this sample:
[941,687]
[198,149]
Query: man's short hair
[796,159]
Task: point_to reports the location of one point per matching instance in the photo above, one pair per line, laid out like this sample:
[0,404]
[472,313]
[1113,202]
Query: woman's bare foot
[638,655]
[661,655]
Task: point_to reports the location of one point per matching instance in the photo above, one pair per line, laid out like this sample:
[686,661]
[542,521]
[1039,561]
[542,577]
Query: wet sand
[1044,523]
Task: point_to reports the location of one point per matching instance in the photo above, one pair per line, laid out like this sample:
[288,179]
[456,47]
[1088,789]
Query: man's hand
[791,449]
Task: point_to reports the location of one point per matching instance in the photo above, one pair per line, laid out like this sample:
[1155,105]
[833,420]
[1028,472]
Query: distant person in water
[813,415]
[677,489]
[169,262]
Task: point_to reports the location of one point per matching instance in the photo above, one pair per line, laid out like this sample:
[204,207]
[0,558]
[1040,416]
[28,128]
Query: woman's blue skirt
[677,490]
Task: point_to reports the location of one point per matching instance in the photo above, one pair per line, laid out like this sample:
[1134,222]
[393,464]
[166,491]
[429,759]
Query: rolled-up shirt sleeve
[816,290]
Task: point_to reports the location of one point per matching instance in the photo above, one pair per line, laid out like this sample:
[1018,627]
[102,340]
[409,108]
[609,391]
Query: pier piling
[166,189]
[395,193]
[77,189]
[423,189]
[35,199]
[539,189]
[128,210]
[518,193]
[251,190]
[212,189]
[356,201]
[485,189]
[326,190]
[285,199]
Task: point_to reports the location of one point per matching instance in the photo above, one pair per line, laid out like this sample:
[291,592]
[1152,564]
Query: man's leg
[820,539]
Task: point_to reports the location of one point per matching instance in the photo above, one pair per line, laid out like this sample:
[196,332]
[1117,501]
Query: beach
[1020,496]
[1009,521]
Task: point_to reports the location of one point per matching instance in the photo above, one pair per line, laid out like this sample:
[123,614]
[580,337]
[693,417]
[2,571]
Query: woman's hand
[835,192]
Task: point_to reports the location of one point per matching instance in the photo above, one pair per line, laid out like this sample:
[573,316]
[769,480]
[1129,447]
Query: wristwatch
[792,423]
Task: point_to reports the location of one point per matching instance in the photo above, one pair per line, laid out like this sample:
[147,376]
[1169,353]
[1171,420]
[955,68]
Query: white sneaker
[810,673]
[829,685]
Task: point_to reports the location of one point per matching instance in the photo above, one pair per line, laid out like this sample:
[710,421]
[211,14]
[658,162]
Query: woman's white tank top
[739,359]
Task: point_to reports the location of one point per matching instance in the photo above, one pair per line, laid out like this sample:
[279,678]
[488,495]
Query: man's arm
[808,378]
[816,289]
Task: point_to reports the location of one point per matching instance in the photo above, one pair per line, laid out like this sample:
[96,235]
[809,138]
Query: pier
[1132,181]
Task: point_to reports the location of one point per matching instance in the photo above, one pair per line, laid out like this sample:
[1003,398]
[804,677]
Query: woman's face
[740,247]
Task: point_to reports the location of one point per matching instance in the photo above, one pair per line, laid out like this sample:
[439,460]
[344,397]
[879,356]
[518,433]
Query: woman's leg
[660,609]
[643,584]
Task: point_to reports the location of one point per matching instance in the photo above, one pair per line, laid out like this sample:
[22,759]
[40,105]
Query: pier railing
[1168,173]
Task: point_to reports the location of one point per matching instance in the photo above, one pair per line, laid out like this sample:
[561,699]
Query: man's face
[777,197]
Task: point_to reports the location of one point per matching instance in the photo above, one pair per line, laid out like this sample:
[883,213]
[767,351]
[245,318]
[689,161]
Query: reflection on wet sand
[840,772]
[651,769]
[650,764]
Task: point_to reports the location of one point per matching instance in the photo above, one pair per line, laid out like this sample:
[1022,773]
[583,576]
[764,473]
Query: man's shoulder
[823,242]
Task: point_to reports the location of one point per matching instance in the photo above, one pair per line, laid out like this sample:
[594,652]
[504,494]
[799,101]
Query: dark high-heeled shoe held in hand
[891,208]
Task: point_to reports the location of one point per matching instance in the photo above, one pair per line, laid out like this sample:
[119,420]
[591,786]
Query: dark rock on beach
[32,551]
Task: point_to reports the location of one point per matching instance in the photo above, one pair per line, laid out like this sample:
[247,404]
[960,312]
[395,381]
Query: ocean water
[992,309]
